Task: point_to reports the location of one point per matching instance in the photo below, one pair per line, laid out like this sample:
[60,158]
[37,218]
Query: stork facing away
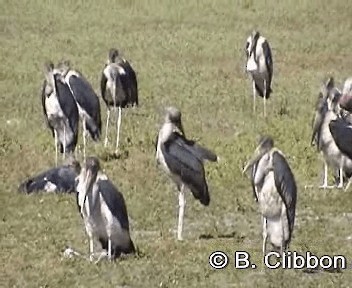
[60,111]
[260,66]
[275,190]
[59,179]
[119,89]
[332,134]
[86,99]
[182,160]
[104,212]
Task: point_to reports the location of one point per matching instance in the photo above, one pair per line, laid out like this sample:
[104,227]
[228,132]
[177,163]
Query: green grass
[189,54]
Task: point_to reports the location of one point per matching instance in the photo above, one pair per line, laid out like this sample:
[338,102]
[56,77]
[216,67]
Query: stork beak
[253,160]
[180,127]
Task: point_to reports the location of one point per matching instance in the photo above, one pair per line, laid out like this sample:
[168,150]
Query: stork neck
[166,131]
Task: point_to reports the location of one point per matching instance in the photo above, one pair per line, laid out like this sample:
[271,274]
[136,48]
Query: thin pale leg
[84,139]
[109,250]
[56,147]
[265,235]
[341,175]
[254,95]
[181,212]
[118,129]
[107,128]
[325,182]
[91,249]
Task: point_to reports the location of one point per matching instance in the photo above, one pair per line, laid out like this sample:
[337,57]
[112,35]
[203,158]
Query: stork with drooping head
[103,209]
[182,160]
[60,110]
[119,89]
[275,190]
[87,101]
[260,66]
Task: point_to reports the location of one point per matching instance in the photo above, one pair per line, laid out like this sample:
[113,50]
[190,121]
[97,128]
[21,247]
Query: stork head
[251,47]
[48,69]
[89,172]
[113,55]
[266,143]
[173,115]
[63,67]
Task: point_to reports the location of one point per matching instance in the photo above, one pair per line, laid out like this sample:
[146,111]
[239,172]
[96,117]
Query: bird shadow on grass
[232,235]
[107,156]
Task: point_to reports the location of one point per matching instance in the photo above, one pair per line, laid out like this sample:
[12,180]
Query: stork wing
[115,201]
[342,134]
[68,105]
[133,86]
[88,100]
[268,59]
[198,151]
[286,186]
[103,82]
[182,162]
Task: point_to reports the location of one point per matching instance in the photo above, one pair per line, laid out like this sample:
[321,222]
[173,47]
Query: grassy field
[189,54]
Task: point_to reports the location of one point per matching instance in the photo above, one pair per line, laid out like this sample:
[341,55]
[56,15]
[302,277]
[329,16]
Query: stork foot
[102,255]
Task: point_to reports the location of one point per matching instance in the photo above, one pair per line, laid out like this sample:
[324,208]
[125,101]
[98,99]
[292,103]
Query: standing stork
[87,102]
[103,210]
[118,89]
[60,110]
[327,128]
[275,189]
[182,160]
[260,66]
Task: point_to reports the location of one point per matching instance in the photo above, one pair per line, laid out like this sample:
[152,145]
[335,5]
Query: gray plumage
[275,189]
[119,89]
[86,98]
[60,110]
[60,179]
[260,66]
[103,210]
[326,133]
[182,160]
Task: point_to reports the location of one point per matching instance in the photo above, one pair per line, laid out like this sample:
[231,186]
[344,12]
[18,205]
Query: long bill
[257,155]
[87,185]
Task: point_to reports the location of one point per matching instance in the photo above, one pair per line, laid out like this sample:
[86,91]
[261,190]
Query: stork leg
[181,212]
[265,235]
[254,95]
[91,248]
[107,128]
[325,182]
[56,147]
[118,129]
[340,186]
[109,250]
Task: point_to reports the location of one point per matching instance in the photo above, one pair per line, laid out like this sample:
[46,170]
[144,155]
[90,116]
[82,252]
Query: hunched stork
[260,66]
[331,134]
[59,179]
[119,89]
[275,190]
[104,211]
[87,101]
[182,160]
[60,110]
